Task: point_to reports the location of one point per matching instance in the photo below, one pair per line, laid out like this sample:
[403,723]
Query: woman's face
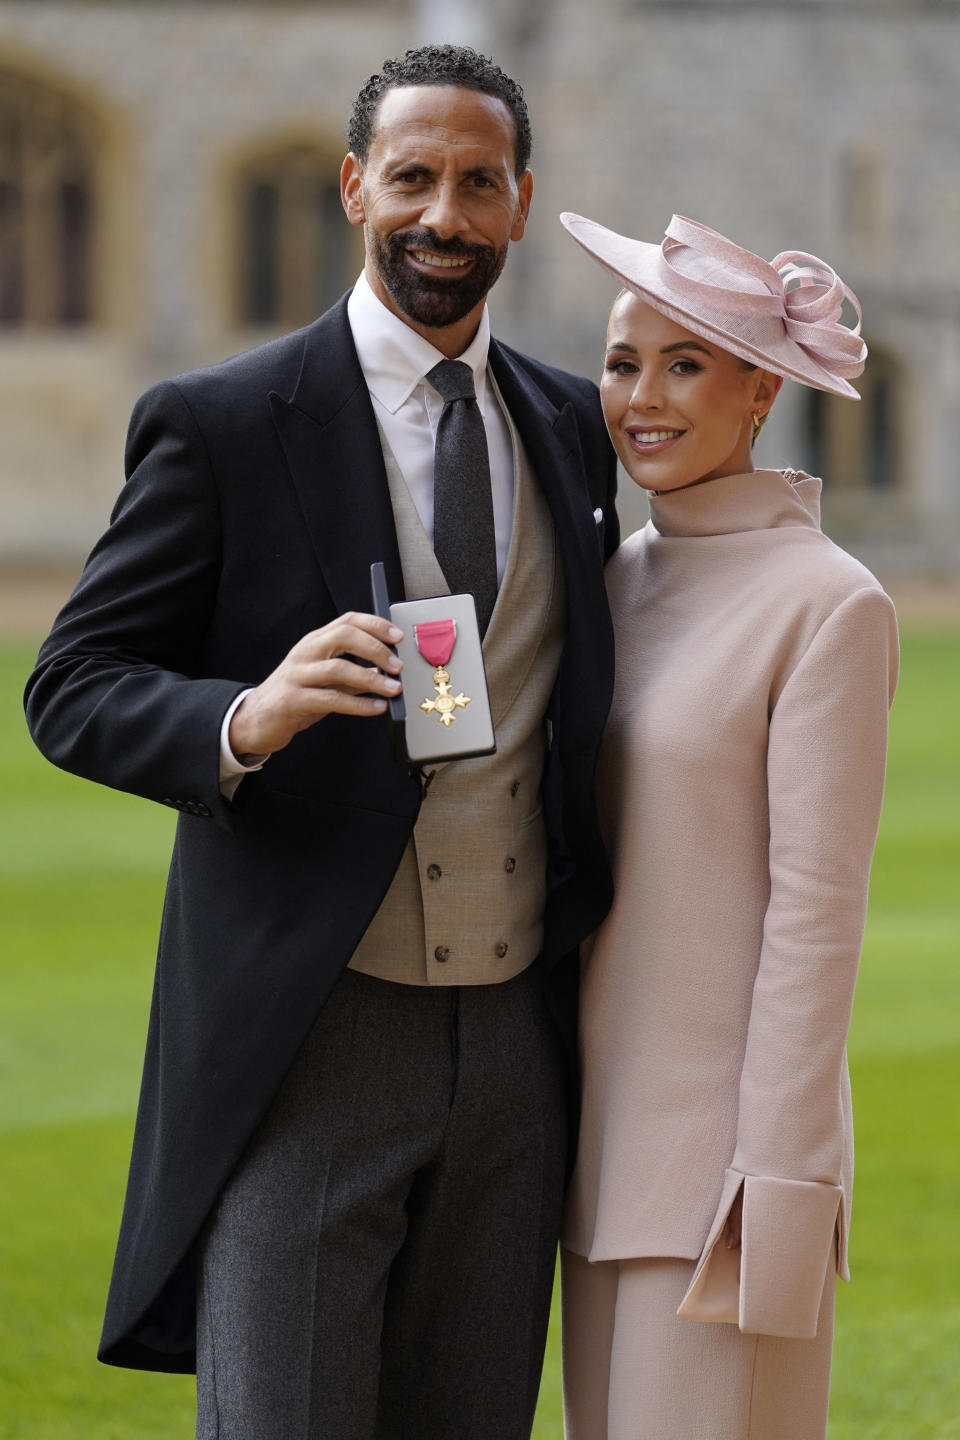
[679,409]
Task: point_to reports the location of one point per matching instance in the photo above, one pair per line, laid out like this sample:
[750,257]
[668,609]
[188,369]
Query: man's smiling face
[439,200]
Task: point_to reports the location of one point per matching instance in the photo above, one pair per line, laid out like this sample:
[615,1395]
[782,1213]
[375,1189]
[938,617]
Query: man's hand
[316,679]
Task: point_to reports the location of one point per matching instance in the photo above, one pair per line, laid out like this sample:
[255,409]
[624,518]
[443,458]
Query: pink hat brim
[640,268]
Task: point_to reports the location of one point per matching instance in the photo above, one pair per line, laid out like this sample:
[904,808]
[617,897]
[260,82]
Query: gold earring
[757,421]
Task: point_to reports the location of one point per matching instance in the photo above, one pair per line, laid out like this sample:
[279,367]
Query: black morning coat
[256,501]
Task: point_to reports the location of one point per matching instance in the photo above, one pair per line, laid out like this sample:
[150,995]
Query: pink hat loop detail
[813,306]
[694,236]
[686,237]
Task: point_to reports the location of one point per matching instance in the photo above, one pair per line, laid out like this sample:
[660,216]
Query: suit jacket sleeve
[825,767]
[118,694]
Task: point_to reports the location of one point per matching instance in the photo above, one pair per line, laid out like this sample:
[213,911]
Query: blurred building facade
[169,195]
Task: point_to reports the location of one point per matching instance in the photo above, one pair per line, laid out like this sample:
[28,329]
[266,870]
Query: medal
[435,641]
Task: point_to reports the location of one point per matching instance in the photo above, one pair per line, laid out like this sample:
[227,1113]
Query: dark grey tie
[463,535]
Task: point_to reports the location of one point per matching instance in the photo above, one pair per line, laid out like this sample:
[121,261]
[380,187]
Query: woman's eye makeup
[680,366]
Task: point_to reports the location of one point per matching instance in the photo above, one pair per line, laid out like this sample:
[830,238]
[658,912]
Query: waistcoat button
[441,953]
[501,948]
[510,865]
[434,872]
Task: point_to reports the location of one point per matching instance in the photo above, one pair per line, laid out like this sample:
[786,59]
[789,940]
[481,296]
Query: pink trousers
[633,1371]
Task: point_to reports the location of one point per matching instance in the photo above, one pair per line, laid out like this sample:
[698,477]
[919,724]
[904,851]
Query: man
[349,1157]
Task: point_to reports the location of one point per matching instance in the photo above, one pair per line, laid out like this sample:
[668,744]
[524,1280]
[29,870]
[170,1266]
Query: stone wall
[815,125]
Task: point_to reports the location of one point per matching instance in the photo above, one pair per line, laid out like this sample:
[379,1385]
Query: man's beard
[430,302]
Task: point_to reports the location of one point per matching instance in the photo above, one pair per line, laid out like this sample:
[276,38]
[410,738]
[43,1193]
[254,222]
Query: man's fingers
[344,702]
[341,673]
[375,625]
[369,637]
[319,701]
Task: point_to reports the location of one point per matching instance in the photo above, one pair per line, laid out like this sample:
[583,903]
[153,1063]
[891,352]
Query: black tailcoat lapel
[329,435]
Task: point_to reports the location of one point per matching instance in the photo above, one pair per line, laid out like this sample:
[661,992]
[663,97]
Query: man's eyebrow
[421,167]
[404,167]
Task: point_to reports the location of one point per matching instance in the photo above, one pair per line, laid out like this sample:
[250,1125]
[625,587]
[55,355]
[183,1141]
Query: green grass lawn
[81,878]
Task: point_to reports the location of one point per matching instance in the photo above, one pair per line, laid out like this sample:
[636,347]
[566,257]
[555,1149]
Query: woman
[740,783]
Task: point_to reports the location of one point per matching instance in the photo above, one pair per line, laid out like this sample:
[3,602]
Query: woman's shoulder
[830,570]
[821,559]
[807,582]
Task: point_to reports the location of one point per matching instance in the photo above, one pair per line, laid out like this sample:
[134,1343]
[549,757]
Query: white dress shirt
[395,361]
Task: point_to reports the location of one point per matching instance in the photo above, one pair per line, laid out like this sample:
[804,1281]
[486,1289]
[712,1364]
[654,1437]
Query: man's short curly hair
[439,65]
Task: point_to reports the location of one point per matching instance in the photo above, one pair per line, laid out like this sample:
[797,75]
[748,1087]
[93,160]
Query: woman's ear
[766,390]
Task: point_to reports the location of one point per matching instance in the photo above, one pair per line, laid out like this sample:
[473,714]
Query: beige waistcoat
[466,904]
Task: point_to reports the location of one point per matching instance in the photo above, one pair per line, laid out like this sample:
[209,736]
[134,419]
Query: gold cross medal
[435,641]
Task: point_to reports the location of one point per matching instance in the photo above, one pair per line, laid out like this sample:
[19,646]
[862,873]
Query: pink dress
[740,786]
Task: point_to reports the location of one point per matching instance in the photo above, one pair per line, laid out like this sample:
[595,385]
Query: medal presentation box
[445,713]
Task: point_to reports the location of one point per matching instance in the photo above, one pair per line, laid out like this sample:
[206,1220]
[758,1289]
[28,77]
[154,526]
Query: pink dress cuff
[773,1284]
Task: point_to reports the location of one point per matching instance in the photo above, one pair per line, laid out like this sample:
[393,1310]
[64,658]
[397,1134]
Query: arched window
[298,252]
[46,206]
[856,446]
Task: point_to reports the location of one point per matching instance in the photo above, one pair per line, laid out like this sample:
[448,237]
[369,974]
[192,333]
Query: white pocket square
[598,516]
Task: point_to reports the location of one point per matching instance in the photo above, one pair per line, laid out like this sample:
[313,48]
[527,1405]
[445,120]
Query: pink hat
[783,316]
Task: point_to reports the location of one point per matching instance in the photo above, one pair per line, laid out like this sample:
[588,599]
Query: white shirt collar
[395,359]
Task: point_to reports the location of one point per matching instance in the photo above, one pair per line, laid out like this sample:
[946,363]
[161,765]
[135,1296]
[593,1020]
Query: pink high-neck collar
[758,500]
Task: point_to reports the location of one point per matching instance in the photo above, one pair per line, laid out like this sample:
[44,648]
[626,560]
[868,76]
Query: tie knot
[453,380]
